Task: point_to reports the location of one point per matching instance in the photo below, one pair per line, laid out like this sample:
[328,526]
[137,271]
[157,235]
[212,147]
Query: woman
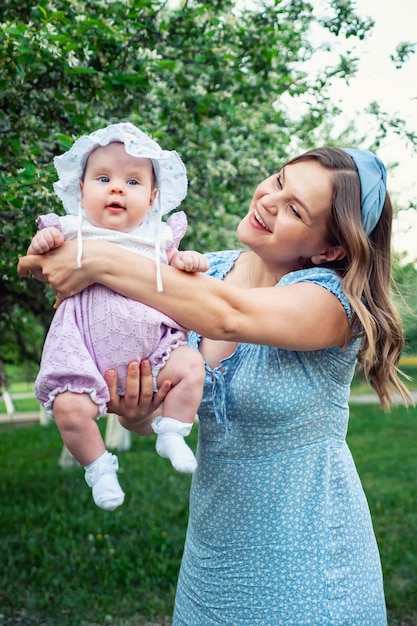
[279,530]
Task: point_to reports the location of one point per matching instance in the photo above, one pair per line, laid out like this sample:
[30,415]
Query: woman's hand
[137,408]
[59,268]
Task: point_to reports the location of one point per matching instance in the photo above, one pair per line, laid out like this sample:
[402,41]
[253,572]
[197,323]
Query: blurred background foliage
[216,81]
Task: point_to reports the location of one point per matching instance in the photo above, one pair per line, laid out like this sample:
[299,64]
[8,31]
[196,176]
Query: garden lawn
[67,563]
[384,446]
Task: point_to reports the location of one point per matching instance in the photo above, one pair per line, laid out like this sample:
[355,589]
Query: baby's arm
[188,260]
[45,240]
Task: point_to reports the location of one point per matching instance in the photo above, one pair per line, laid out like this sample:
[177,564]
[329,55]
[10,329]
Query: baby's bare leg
[75,415]
[185,369]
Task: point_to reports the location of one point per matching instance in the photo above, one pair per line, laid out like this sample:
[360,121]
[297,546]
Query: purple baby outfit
[98,329]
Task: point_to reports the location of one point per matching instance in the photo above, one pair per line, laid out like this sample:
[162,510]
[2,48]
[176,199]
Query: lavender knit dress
[98,329]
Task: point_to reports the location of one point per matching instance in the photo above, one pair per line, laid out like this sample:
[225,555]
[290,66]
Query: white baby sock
[101,475]
[170,443]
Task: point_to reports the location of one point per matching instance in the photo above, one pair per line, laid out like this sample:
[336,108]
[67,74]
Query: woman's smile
[257,222]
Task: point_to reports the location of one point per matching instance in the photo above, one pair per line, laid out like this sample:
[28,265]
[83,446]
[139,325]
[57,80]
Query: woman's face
[287,220]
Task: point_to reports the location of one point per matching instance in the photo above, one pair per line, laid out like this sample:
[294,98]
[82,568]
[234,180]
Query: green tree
[207,79]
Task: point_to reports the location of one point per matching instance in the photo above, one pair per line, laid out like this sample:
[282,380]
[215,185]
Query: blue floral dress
[279,529]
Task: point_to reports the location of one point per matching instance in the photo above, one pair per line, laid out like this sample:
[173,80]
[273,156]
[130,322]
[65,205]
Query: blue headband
[373,178]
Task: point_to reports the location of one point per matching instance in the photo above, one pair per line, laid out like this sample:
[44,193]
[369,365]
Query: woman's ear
[334,253]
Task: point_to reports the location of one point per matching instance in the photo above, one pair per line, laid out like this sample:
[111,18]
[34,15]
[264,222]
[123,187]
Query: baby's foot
[101,475]
[170,443]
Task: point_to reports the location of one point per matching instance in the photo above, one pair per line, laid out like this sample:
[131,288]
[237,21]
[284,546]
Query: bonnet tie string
[79,236]
[158,245]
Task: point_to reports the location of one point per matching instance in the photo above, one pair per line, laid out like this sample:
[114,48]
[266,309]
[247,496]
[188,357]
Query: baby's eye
[132,182]
[104,179]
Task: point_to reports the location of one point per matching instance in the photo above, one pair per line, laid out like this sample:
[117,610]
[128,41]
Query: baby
[116,184]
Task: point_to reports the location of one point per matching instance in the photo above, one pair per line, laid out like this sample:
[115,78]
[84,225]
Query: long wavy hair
[366,274]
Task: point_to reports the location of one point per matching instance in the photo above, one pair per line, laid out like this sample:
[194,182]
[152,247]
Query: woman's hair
[366,274]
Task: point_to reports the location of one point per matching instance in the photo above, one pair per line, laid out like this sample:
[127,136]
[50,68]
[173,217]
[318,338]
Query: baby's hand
[190,261]
[45,240]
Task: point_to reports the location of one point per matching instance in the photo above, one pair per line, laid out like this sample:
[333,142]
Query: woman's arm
[302,316]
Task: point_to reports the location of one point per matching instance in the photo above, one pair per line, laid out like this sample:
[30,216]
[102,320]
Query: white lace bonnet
[170,172]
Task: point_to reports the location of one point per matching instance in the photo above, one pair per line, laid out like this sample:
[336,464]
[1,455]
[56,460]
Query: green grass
[408,366]
[68,563]
[384,448]
[22,405]
[65,562]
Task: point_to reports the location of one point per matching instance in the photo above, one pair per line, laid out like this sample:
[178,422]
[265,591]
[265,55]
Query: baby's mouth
[115,206]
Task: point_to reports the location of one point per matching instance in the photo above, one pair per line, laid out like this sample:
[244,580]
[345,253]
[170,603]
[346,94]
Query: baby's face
[118,189]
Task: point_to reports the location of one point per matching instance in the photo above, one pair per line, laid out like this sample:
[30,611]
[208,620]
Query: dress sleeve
[178,225]
[221,262]
[324,277]
[50,219]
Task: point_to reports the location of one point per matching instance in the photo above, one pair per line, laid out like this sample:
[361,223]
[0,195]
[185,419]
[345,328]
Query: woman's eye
[279,181]
[295,212]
